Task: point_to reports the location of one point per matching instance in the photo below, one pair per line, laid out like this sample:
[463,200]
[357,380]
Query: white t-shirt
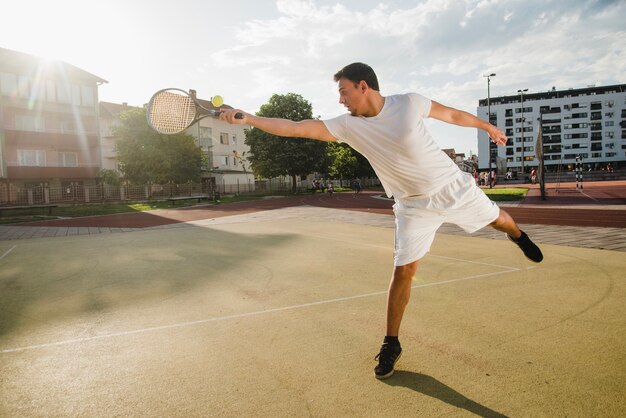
[404,156]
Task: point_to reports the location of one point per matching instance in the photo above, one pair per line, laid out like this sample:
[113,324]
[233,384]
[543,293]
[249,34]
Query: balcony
[15,172]
[15,138]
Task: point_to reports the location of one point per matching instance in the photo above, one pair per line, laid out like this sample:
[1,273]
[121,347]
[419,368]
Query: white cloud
[440,48]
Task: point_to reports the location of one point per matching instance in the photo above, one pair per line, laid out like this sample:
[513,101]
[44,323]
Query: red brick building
[49,126]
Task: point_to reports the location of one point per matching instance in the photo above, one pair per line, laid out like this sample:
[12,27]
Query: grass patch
[509,194]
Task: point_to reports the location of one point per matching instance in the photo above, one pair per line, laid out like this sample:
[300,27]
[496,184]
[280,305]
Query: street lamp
[489,116]
[521,92]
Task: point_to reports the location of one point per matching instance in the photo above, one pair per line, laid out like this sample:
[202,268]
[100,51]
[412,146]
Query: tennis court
[267,316]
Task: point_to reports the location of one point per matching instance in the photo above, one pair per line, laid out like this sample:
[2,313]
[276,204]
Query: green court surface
[284,318]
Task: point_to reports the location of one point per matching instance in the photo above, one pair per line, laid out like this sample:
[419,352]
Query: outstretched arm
[313,129]
[461,118]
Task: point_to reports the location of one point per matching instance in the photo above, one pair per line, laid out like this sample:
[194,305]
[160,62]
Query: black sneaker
[387,358]
[531,251]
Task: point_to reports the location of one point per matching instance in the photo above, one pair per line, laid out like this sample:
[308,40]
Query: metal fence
[75,193]
[11,194]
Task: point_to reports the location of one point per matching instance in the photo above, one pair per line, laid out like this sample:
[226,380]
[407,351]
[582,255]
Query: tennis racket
[171,111]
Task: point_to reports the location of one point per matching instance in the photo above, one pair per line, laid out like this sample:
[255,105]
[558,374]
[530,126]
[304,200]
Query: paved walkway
[586,237]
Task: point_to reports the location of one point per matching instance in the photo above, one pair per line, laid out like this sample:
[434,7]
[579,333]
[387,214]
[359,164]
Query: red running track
[602,216]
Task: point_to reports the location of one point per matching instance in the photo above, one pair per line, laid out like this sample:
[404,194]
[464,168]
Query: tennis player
[427,186]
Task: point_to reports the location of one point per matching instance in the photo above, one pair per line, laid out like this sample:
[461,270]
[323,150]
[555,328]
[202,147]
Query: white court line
[7,253]
[472,261]
[586,195]
[243,315]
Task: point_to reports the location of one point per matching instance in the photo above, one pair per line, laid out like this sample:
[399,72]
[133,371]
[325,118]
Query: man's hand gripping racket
[171,111]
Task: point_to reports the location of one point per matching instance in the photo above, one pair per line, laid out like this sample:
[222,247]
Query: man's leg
[398,296]
[397,299]
[505,223]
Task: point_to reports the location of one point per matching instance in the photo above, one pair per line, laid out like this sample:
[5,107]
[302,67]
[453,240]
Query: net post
[579,172]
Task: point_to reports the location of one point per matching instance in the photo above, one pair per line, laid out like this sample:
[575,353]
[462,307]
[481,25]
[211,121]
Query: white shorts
[460,202]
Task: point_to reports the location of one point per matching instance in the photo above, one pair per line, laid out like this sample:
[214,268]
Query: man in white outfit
[428,188]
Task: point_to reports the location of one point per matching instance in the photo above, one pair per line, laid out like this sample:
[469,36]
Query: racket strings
[171,112]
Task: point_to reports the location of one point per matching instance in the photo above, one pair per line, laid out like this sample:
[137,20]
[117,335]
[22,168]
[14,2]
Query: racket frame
[201,111]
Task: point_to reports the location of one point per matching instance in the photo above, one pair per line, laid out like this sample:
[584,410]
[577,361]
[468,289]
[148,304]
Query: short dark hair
[358,71]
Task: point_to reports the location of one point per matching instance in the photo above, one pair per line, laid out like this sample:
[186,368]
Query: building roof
[111,110]
[555,94]
[22,63]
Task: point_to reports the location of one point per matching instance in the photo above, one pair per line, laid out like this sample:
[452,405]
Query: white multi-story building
[589,123]
[223,144]
[228,168]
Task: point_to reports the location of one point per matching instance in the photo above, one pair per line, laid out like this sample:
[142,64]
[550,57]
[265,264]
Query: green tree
[273,155]
[110,177]
[147,156]
[363,167]
[343,162]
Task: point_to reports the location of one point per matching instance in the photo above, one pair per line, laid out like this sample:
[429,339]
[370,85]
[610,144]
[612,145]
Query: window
[29,123]
[224,161]
[609,123]
[206,134]
[64,93]
[31,157]
[51,91]
[610,154]
[67,126]
[8,84]
[23,88]
[87,95]
[596,126]
[75,95]
[609,134]
[68,159]
[224,138]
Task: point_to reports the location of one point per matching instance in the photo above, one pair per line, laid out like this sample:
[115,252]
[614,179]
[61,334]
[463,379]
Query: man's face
[350,95]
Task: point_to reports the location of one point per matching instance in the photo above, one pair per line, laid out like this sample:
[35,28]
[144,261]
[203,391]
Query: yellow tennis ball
[217,101]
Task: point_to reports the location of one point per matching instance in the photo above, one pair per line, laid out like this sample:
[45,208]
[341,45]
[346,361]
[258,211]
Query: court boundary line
[244,315]
[7,252]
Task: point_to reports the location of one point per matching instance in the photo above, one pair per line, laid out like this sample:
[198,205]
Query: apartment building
[227,167]
[223,144]
[48,122]
[589,123]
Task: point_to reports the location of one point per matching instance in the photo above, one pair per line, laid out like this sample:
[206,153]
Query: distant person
[533,176]
[331,189]
[427,186]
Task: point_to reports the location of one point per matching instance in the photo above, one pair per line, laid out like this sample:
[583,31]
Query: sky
[248,50]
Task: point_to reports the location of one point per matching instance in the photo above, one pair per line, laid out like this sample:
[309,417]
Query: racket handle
[238,115]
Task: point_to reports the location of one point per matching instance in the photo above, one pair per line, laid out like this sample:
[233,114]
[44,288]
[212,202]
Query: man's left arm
[461,118]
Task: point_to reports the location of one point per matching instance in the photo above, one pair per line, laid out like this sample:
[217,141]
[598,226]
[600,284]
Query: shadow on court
[50,280]
[432,387]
